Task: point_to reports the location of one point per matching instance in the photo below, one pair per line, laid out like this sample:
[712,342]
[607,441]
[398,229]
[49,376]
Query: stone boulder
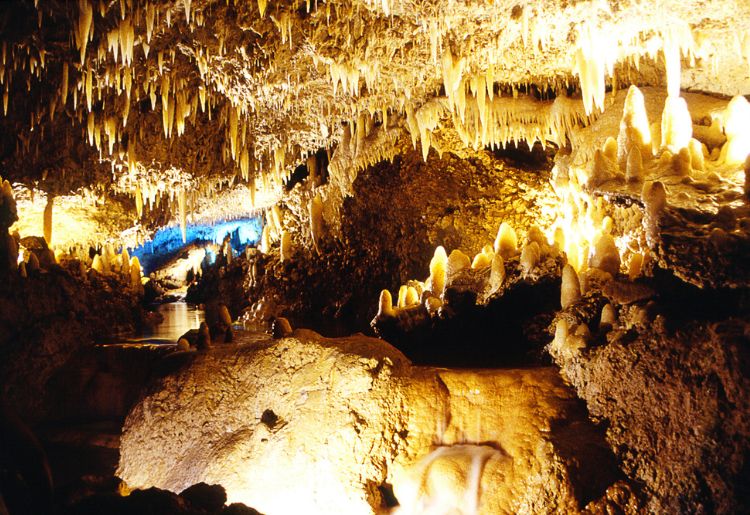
[307,424]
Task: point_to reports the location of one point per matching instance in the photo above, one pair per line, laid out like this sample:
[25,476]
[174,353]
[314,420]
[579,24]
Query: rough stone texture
[44,320]
[449,201]
[703,233]
[308,423]
[672,384]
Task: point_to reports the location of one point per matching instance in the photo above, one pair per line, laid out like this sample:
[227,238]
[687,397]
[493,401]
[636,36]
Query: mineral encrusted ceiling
[147,97]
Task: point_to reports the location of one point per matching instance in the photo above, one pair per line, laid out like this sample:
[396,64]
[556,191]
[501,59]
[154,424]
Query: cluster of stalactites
[114,75]
[598,51]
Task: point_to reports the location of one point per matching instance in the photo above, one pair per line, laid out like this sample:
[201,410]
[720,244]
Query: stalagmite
[697,159]
[605,255]
[135,273]
[265,240]
[634,169]
[676,124]
[438,271]
[634,128]
[412,296]
[610,149]
[97,265]
[681,163]
[401,302]
[746,169]
[497,273]
[635,265]
[316,221]
[482,260]
[286,246]
[204,337]
[47,225]
[33,264]
[506,242]
[654,197]
[457,261]
[608,316]
[570,289]
[530,256]
[281,328]
[125,259]
[385,304]
[561,336]
[737,130]
[224,315]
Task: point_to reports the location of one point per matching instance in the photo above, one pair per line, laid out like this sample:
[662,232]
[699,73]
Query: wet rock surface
[255,418]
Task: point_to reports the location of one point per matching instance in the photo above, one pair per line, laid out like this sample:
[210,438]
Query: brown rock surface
[308,423]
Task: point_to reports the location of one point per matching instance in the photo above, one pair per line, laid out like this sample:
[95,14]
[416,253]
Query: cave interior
[374,257]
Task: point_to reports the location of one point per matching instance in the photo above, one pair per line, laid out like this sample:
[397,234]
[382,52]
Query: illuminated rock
[457,261]
[605,256]
[48,219]
[438,271]
[506,242]
[570,290]
[285,249]
[308,423]
[530,256]
[385,304]
[634,128]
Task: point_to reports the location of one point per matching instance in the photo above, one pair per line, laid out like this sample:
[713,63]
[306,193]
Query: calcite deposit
[438,257]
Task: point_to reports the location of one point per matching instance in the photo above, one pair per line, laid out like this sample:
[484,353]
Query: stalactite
[48,219]
[182,206]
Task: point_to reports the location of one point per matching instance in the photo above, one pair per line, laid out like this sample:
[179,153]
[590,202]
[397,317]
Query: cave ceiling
[144,99]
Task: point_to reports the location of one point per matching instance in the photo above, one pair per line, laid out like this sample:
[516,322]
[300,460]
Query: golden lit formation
[531,216]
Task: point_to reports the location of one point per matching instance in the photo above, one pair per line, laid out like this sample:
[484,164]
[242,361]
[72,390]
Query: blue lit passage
[167,242]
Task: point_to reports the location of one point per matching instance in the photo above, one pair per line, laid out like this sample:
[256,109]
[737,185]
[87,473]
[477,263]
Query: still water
[179,318]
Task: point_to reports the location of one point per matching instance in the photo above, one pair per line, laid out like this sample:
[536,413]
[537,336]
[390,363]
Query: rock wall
[389,229]
[45,319]
[670,379]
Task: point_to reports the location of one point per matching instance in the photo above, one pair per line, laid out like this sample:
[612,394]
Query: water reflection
[179,318]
